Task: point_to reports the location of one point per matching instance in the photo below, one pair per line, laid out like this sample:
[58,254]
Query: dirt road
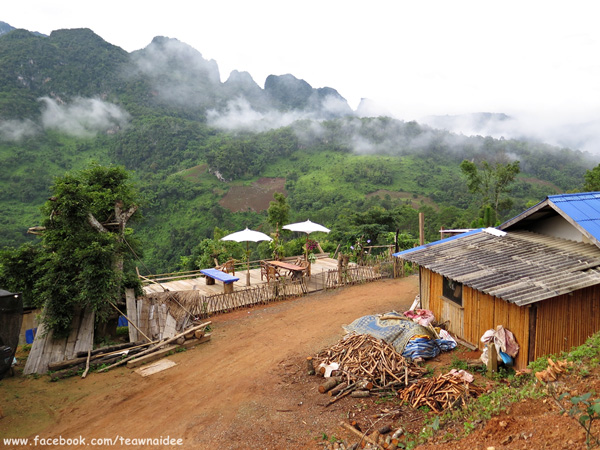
[246,388]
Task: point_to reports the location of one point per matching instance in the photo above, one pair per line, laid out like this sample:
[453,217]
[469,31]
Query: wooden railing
[239,266]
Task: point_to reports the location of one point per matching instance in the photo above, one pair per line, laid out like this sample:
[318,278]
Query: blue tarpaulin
[408,338]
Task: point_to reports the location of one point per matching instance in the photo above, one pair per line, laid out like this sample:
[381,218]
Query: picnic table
[216,274]
[293,270]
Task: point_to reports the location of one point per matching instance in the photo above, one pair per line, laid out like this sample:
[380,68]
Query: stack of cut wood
[439,393]
[553,370]
[365,363]
[97,357]
[116,355]
[362,356]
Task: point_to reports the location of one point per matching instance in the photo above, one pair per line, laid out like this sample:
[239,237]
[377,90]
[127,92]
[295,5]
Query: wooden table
[294,270]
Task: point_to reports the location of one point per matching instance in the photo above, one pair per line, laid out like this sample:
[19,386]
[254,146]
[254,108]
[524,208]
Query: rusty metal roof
[520,267]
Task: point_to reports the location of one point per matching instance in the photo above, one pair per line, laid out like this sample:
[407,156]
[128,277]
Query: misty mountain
[203,150]
[475,123]
[580,135]
[5,28]
[167,74]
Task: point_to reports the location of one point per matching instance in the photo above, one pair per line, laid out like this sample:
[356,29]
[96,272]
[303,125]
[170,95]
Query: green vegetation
[364,178]
[84,258]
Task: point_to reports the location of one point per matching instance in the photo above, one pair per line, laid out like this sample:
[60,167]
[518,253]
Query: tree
[592,180]
[85,257]
[490,182]
[279,210]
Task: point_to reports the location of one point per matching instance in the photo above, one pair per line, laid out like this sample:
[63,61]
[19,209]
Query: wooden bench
[215,274]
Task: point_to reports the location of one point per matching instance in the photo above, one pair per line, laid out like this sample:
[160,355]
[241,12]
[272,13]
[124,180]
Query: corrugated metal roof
[520,267]
[582,210]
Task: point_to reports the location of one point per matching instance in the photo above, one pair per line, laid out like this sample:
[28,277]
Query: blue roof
[583,208]
[448,239]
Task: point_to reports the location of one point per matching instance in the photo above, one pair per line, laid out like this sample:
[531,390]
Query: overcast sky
[415,57]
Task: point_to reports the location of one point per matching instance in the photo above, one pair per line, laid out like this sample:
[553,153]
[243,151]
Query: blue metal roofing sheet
[448,239]
[583,208]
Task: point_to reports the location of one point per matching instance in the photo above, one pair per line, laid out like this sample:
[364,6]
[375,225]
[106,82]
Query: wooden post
[492,365]
[132,313]
[421,228]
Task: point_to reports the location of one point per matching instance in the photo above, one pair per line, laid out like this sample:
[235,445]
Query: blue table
[216,274]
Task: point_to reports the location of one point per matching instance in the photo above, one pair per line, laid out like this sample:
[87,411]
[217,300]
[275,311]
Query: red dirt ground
[248,388]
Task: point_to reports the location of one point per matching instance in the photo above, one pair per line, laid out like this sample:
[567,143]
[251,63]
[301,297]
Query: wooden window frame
[452,298]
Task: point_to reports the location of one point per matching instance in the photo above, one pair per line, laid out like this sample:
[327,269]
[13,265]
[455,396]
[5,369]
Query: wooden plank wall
[567,321]
[46,350]
[480,312]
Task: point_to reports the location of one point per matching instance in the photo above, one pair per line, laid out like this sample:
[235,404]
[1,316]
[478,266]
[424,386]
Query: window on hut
[452,290]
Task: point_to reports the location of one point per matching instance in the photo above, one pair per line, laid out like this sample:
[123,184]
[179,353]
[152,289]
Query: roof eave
[528,212]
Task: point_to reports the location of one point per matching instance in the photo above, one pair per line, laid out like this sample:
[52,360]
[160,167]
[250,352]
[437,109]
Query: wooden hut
[538,275]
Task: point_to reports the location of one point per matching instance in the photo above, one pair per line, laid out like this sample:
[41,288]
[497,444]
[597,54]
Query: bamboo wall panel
[480,312]
[567,321]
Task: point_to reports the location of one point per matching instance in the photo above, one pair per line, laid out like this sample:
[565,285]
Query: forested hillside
[201,150]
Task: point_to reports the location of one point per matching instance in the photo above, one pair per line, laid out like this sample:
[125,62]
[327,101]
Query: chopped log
[339,388]
[329,384]
[360,394]
[310,367]
[193,342]
[181,340]
[189,334]
[66,373]
[60,365]
[361,435]
[111,348]
[56,366]
[342,394]
[198,334]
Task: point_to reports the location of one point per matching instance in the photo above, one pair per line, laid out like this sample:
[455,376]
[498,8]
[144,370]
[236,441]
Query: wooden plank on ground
[193,342]
[158,354]
[158,366]
[164,351]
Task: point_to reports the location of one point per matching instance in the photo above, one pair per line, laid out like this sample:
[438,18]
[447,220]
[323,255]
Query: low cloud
[239,115]
[566,132]
[84,117]
[17,130]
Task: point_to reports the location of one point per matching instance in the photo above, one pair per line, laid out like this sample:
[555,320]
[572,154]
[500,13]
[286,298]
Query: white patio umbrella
[306,227]
[247,236]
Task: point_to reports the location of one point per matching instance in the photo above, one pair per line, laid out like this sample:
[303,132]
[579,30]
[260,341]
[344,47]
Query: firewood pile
[134,353]
[552,372]
[364,357]
[361,364]
[440,393]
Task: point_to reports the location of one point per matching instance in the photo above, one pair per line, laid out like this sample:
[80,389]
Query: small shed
[11,317]
[537,274]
